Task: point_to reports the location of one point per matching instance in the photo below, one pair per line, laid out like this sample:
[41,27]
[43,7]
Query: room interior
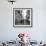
[36,32]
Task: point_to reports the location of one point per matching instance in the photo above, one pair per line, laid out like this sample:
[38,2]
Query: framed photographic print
[22,17]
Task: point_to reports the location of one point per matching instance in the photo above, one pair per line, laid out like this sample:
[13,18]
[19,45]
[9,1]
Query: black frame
[31,17]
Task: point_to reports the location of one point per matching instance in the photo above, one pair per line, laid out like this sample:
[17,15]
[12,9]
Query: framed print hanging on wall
[22,17]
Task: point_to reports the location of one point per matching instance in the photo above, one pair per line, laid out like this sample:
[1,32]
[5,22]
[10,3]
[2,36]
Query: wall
[37,32]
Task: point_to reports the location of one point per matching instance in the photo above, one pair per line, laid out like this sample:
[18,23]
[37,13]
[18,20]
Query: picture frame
[22,17]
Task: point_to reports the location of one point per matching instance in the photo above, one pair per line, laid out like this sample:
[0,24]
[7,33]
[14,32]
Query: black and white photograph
[22,17]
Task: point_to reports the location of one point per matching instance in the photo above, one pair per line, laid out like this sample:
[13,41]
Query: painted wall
[37,32]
